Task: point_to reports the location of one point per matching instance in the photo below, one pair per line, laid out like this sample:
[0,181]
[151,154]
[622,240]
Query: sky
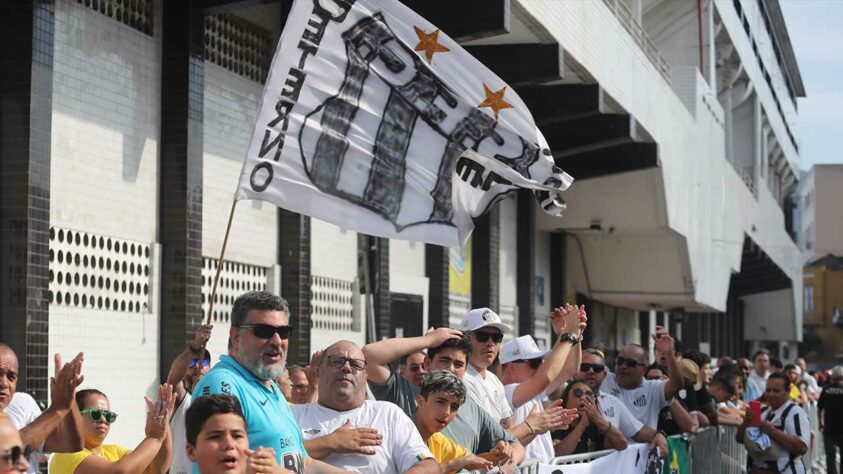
[816,33]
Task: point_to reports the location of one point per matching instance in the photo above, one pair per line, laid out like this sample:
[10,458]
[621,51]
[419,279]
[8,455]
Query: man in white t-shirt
[814,389]
[334,426]
[593,372]
[58,428]
[186,371]
[644,398]
[756,383]
[485,330]
[528,372]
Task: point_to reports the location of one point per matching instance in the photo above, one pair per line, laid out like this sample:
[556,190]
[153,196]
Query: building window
[808,297]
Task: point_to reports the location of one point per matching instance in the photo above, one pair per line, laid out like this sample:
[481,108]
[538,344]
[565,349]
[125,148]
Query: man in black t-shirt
[831,418]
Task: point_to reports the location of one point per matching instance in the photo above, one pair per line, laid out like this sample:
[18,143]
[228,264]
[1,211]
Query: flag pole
[219,263]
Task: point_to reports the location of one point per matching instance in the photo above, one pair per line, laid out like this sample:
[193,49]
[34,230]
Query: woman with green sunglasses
[152,456]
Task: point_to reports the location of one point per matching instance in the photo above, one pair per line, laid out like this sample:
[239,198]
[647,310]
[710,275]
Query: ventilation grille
[97,272]
[331,304]
[238,46]
[235,279]
[137,14]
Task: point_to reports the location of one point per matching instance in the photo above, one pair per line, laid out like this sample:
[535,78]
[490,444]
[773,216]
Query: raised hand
[582,319]
[439,335]
[159,412]
[471,462]
[350,440]
[203,334]
[67,378]
[561,319]
[664,342]
[310,373]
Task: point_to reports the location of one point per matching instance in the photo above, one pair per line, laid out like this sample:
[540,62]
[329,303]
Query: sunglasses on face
[485,336]
[338,362]
[597,368]
[578,392]
[195,362]
[415,368]
[97,415]
[534,363]
[265,331]
[629,363]
[15,455]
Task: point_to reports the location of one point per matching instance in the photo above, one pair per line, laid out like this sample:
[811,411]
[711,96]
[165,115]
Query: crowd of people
[453,399]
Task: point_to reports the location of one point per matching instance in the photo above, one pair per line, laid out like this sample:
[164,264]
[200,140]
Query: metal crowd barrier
[711,450]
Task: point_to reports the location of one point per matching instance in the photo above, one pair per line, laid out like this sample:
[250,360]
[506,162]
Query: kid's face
[437,411]
[221,445]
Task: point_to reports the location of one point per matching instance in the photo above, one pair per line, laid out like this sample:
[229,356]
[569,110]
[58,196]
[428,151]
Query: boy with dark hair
[442,394]
[217,441]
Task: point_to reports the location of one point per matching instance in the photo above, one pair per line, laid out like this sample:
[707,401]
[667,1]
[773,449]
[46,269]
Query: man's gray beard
[261,370]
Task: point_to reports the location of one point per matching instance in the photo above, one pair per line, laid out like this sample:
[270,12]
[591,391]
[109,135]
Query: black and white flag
[376,121]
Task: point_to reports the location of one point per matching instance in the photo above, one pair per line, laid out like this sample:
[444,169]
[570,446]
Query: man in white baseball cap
[530,373]
[486,331]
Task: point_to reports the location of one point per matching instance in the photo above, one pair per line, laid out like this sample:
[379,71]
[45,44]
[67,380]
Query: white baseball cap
[521,348]
[483,317]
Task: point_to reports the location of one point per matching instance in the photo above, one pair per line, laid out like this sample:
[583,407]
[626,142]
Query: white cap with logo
[521,348]
[483,317]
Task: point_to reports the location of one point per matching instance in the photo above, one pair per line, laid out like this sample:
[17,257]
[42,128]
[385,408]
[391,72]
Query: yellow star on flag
[494,100]
[429,43]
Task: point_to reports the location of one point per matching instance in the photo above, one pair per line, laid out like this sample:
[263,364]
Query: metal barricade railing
[530,466]
[581,458]
[704,451]
[815,459]
[732,454]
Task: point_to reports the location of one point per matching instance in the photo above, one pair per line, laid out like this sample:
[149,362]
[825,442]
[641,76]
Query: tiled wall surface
[106,96]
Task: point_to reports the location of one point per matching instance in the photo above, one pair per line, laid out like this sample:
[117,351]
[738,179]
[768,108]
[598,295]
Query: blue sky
[816,32]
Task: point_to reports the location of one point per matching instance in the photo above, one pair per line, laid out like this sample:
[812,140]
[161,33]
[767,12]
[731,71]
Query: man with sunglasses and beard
[257,353]
[593,372]
[186,371]
[644,398]
[394,444]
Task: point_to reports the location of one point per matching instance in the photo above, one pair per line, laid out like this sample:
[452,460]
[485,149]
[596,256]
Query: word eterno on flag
[374,120]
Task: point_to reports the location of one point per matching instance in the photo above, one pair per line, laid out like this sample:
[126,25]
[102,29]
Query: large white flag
[376,121]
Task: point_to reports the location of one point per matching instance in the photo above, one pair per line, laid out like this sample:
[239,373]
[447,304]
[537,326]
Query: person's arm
[60,426]
[552,418]
[565,319]
[708,414]
[344,440]
[196,350]
[655,438]
[468,462]
[684,420]
[665,344]
[162,461]
[425,466]
[612,436]
[379,354]
[568,444]
[140,458]
[793,444]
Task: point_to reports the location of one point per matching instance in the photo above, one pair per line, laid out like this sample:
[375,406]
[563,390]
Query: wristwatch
[569,337]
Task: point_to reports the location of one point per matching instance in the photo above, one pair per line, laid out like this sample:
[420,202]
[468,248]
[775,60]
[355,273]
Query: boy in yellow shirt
[441,395]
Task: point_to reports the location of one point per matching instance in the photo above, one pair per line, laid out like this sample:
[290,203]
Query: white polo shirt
[643,402]
[487,391]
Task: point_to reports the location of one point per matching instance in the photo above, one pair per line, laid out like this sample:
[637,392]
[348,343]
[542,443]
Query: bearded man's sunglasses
[15,455]
[265,331]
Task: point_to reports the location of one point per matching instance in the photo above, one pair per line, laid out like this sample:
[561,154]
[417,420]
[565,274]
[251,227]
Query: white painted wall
[769,316]
[542,240]
[105,130]
[706,205]
[507,257]
[407,273]
[231,103]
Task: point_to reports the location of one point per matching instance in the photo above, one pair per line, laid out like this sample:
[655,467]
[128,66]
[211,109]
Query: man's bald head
[8,375]
[342,376]
[630,367]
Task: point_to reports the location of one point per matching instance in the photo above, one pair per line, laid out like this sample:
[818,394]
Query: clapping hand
[159,412]
[63,386]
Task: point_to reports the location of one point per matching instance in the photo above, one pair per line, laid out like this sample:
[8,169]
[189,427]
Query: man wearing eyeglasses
[12,449]
[186,371]
[393,444]
[593,371]
[256,356]
[59,427]
[644,398]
